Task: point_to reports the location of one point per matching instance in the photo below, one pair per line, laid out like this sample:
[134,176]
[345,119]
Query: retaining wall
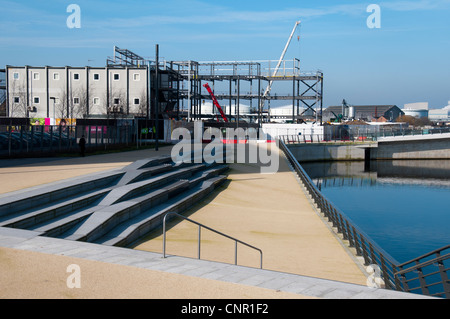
[438,148]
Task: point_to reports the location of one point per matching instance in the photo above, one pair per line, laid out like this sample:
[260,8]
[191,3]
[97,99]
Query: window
[136,77]
[76,100]
[36,100]
[16,99]
[35,76]
[76,76]
[16,75]
[116,77]
[96,76]
[136,101]
[56,76]
[116,101]
[96,101]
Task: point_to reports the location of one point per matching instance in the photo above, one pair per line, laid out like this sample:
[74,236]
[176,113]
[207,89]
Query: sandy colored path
[270,212]
[36,275]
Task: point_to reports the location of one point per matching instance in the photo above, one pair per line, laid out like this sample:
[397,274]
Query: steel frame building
[176,87]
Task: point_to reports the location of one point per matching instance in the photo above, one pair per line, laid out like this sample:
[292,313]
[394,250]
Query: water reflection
[434,173]
[402,205]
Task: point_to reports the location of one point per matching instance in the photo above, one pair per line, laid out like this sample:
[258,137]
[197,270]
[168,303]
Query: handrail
[392,272]
[426,255]
[199,238]
[364,246]
[423,264]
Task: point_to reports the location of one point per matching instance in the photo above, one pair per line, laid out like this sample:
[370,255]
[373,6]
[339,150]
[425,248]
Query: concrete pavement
[302,257]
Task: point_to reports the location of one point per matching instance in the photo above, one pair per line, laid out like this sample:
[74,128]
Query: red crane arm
[215,102]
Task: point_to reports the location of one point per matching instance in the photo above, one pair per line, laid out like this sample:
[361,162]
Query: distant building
[417,113]
[369,113]
[417,110]
[440,114]
[416,106]
[76,92]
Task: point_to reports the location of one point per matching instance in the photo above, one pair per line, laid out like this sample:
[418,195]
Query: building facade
[76,92]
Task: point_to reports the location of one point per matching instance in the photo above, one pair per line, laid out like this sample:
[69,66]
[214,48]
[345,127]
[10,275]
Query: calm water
[404,206]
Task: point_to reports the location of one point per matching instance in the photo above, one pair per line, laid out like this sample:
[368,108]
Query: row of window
[76,76]
[76,100]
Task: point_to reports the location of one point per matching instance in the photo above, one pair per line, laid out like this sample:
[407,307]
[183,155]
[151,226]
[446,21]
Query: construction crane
[215,102]
[269,86]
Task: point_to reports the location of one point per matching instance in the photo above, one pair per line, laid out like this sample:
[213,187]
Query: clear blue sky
[406,60]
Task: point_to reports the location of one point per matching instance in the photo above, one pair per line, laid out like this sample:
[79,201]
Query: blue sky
[404,61]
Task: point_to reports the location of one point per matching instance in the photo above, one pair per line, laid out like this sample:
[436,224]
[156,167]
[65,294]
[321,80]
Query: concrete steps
[29,220]
[131,230]
[100,223]
[40,197]
[124,203]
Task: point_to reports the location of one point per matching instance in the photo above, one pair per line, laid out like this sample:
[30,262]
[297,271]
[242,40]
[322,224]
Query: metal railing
[200,226]
[22,139]
[395,276]
[351,134]
[427,274]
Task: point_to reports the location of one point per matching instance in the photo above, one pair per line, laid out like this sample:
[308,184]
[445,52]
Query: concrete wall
[326,152]
[413,149]
[438,148]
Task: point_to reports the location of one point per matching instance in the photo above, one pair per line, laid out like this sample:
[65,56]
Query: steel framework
[179,87]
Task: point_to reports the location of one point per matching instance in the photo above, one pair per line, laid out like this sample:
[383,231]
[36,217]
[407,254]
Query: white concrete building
[418,109]
[440,114]
[76,92]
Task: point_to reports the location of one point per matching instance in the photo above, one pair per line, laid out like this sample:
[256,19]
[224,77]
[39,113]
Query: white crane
[279,62]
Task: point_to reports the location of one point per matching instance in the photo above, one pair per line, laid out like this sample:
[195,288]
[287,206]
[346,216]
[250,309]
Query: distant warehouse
[76,92]
[368,113]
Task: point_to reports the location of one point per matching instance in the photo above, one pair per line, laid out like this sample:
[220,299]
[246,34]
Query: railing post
[444,277]
[364,251]
[235,252]
[423,283]
[199,239]
[372,254]
[344,229]
[387,283]
[350,236]
[357,245]
[164,236]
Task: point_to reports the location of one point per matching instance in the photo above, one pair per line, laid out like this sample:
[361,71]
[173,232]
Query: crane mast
[269,86]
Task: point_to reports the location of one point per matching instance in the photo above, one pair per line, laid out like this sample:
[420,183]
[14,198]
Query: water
[403,206]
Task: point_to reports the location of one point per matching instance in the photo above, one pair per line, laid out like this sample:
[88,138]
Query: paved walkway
[302,258]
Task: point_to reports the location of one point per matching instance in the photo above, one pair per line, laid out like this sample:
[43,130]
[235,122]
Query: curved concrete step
[131,230]
[133,176]
[31,219]
[102,221]
[138,188]
[39,197]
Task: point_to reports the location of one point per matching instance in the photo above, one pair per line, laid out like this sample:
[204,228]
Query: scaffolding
[176,87]
[304,89]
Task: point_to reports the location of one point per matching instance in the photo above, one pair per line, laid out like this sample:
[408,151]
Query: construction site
[133,87]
